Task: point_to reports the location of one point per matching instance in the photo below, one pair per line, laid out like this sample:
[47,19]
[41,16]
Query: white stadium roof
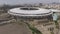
[54,10]
[30,12]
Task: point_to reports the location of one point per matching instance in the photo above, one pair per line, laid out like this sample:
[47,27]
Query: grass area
[52,32]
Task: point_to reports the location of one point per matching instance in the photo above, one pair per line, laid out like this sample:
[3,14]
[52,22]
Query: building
[30,12]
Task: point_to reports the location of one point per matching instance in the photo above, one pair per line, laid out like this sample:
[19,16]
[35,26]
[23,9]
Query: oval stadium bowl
[28,12]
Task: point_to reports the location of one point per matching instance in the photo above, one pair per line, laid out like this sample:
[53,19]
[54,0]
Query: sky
[26,1]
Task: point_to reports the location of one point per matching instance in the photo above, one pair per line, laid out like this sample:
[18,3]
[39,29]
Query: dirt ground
[14,29]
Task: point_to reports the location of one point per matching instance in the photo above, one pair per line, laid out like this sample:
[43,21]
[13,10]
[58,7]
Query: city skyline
[27,1]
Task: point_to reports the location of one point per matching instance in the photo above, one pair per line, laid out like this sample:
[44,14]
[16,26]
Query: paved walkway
[14,29]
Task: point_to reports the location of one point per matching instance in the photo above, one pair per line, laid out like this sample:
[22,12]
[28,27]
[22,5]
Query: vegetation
[52,32]
[57,25]
[33,29]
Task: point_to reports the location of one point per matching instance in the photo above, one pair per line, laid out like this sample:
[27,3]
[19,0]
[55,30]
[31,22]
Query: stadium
[30,12]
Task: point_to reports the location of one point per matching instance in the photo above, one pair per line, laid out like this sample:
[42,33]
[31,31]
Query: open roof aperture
[29,8]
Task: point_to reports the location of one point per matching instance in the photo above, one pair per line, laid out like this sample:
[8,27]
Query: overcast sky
[26,1]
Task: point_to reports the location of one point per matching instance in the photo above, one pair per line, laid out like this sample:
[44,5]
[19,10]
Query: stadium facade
[31,12]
